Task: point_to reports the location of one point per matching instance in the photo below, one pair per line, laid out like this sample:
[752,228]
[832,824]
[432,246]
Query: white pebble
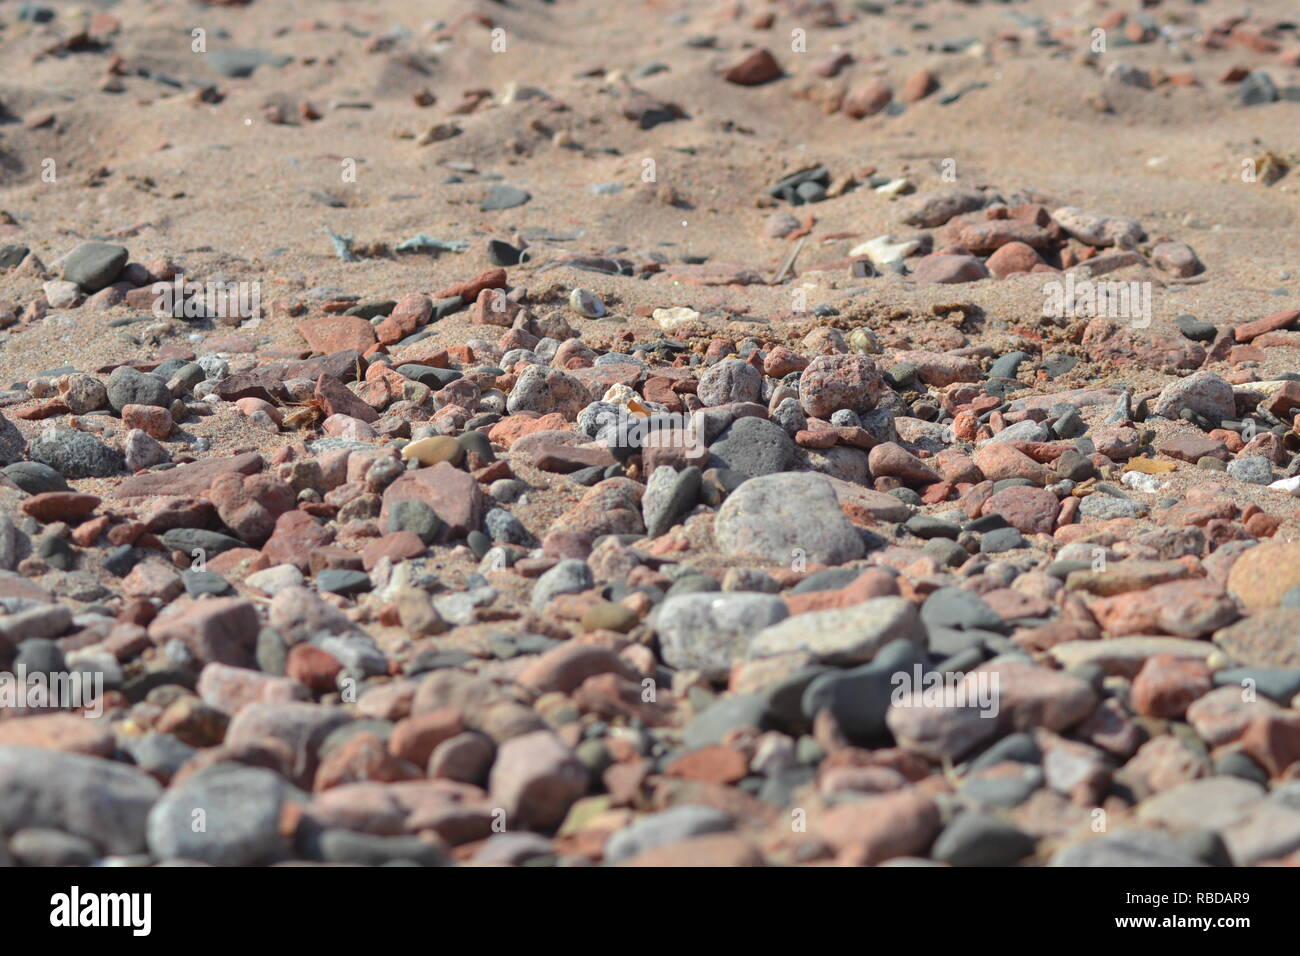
[1291,485]
[1141,482]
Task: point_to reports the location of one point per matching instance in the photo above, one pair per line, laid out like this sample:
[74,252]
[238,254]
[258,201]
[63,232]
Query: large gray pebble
[226,815]
[787,517]
[76,454]
[102,801]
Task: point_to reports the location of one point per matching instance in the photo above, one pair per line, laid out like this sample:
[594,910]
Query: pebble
[669,496]
[568,577]
[842,636]
[1252,469]
[858,697]
[787,516]
[98,800]
[223,816]
[1107,507]
[665,828]
[94,265]
[980,840]
[1202,392]
[75,454]
[752,447]
[709,632]
[729,381]
[949,269]
[1001,539]
[1264,573]
[586,303]
[834,382]
[35,478]
[535,779]
[504,197]
[126,386]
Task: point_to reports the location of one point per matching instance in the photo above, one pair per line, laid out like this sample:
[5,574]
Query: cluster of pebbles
[364,642]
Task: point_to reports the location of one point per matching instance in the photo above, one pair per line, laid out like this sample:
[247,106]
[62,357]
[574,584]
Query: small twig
[787,264]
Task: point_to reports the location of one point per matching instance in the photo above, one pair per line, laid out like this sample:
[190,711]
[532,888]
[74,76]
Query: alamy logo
[1086,299]
[73,909]
[630,429]
[977,690]
[60,690]
[179,299]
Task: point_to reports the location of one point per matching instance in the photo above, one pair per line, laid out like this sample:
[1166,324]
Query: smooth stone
[975,839]
[709,632]
[842,636]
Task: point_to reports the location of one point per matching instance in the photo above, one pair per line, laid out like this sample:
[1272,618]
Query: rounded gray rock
[127,386]
[99,800]
[76,454]
[226,816]
[753,447]
[976,839]
[1104,506]
[664,828]
[545,390]
[94,265]
[568,577]
[1203,392]
[787,517]
[1253,469]
[711,631]
[731,380]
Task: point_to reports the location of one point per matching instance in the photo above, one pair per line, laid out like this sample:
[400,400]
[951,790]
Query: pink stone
[153,421]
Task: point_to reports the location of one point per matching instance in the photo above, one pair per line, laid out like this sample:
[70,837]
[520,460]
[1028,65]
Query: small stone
[842,636]
[1253,469]
[240,808]
[94,265]
[535,779]
[127,386]
[978,840]
[1107,507]
[1203,392]
[1263,574]
[663,829]
[1198,330]
[834,382]
[141,451]
[153,421]
[947,269]
[60,506]
[501,196]
[98,800]
[709,632]
[431,450]
[759,67]
[76,454]
[343,581]
[586,303]
[787,516]
[730,380]
[752,447]
[669,496]
[1178,259]
[568,577]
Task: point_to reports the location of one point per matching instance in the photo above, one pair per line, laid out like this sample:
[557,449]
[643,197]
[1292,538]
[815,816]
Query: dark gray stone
[35,478]
[975,839]
[76,454]
[128,386]
[94,265]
